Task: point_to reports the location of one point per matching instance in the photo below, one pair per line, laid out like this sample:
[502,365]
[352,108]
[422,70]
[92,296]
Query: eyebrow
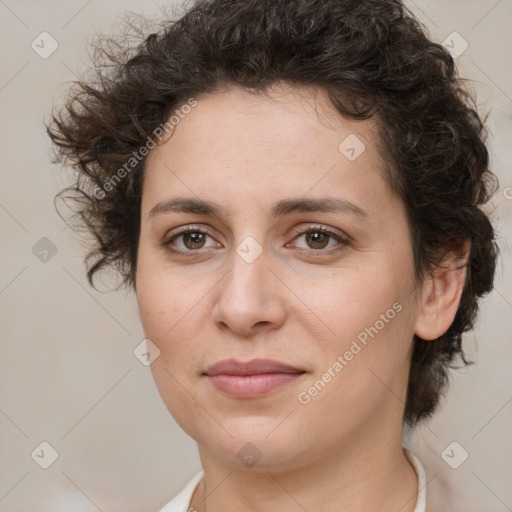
[279,209]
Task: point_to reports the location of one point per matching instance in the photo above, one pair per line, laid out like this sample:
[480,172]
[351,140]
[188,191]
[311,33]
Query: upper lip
[252,367]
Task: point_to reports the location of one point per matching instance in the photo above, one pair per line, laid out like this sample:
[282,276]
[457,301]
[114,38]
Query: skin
[342,451]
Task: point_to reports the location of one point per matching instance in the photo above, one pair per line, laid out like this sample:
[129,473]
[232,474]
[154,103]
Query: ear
[440,296]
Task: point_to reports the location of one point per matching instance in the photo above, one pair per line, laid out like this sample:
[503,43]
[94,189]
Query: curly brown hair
[373,58]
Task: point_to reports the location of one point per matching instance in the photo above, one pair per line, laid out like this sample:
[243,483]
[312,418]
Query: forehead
[289,141]
[281,116]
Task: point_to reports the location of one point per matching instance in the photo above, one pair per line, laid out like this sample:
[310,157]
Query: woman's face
[254,278]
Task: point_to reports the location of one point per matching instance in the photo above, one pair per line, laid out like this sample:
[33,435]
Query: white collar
[421,502]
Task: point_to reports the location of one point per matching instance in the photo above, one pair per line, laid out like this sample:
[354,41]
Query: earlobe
[441,295]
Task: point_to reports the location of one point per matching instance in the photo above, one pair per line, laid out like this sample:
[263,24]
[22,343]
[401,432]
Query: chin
[258,455]
[256,443]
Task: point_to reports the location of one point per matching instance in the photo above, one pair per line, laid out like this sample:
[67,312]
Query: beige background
[68,375]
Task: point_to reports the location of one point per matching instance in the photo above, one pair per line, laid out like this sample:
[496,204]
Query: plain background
[68,375]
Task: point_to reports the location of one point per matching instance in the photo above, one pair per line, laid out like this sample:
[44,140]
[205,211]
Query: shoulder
[181,502]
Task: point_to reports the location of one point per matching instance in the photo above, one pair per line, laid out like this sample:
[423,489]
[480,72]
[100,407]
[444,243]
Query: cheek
[160,298]
[351,299]
[364,370]
[163,312]
[367,318]
[160,309]
[152,303]
[173,315]
[177,393]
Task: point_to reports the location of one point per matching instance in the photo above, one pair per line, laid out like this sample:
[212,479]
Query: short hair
[373,58]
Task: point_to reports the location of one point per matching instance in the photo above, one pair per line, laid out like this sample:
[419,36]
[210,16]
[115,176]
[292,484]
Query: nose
[250,298]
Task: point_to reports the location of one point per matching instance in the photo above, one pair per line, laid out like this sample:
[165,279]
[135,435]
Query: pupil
[195,237]
[317,238]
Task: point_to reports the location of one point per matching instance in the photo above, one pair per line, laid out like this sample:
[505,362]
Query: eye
[318,240]
[192,239]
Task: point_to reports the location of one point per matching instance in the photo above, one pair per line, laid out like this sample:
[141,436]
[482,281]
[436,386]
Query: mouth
[251,379]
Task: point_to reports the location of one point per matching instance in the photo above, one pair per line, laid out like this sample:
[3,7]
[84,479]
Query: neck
[358,476]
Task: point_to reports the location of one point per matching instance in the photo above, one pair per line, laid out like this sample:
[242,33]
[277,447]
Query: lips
[252,367]
[251,379]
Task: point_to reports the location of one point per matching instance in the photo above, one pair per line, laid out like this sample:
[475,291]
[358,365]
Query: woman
[292,190]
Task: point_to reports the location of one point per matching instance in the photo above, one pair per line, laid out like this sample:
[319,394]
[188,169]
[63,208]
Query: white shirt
[181,503]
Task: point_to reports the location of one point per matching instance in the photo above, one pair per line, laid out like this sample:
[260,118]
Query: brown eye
[317,239]
[189,242]
[193,240]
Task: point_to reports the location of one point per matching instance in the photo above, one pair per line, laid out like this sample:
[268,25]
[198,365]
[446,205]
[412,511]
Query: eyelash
[309,252]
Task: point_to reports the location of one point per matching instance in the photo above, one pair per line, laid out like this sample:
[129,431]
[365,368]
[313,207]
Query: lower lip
[252,386]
